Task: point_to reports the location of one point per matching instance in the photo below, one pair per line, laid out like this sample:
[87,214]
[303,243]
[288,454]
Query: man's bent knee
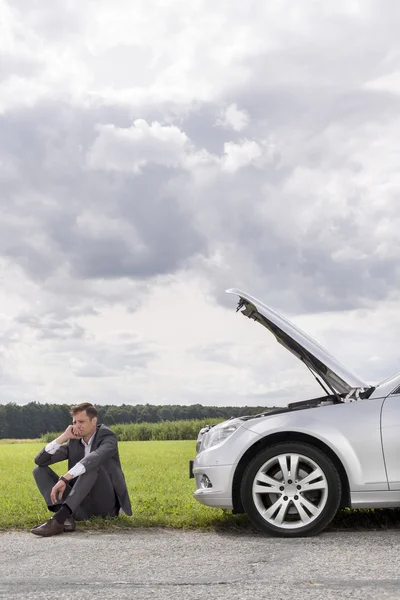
[36,471]
[39,472]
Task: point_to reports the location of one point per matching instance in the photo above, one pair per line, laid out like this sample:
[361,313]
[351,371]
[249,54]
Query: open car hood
[318,360]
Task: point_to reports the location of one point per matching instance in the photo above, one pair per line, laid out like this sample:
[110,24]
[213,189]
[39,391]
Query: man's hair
[91,411]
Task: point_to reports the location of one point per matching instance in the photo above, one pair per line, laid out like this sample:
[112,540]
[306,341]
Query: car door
[390,427]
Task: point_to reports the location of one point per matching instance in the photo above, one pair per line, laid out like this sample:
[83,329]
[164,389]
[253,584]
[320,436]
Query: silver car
[292,468]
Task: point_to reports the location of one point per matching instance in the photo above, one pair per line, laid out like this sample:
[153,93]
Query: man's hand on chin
[71,433]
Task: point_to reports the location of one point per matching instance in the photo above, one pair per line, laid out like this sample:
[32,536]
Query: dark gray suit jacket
[104,453]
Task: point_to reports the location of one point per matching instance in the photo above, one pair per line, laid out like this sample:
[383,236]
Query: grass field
[159,488]
[157,479]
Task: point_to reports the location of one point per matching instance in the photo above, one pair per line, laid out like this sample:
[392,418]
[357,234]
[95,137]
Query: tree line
[33,420]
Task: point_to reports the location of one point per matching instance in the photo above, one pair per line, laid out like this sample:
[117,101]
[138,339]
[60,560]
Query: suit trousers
[91,494]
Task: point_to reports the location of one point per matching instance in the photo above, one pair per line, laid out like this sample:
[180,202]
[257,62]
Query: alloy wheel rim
[290,491]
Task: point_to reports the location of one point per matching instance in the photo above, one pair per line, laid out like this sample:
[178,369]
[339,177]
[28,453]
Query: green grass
[155,432]
[159,488]
[157,478]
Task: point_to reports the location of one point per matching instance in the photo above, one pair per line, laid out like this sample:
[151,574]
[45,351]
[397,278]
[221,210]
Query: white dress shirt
[79,468]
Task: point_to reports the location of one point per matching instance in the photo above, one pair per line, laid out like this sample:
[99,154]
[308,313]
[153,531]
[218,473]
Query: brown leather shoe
[69,524]
[49,528]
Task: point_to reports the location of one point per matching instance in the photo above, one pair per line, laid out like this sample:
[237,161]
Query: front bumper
[217,465]
[220,494]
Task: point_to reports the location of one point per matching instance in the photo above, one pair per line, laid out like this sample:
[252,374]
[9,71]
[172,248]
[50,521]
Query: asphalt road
[170,564]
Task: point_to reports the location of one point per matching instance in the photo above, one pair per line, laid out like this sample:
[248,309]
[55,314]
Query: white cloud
[118,149]
[131,149]
[246,153]
[233,117]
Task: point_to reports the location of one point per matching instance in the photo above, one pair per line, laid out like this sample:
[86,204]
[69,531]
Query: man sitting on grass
[93,486]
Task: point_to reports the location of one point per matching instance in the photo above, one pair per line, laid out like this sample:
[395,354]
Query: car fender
[364,465]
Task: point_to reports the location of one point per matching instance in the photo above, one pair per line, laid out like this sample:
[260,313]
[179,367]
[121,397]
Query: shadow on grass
[223,521]
[226,522]
[356,520]
[345,520]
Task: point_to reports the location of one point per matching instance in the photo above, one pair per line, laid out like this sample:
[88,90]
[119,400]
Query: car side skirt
[375,499]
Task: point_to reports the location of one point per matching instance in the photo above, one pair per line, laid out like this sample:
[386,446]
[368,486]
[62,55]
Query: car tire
[291,489]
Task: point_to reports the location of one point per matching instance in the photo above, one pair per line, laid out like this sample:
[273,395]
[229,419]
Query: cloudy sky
[155,153]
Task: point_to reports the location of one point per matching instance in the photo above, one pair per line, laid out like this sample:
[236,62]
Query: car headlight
[219,433]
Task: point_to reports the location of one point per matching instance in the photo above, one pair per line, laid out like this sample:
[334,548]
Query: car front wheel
[291,490]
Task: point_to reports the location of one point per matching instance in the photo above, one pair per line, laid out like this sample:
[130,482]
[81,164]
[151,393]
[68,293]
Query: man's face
[83,424]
